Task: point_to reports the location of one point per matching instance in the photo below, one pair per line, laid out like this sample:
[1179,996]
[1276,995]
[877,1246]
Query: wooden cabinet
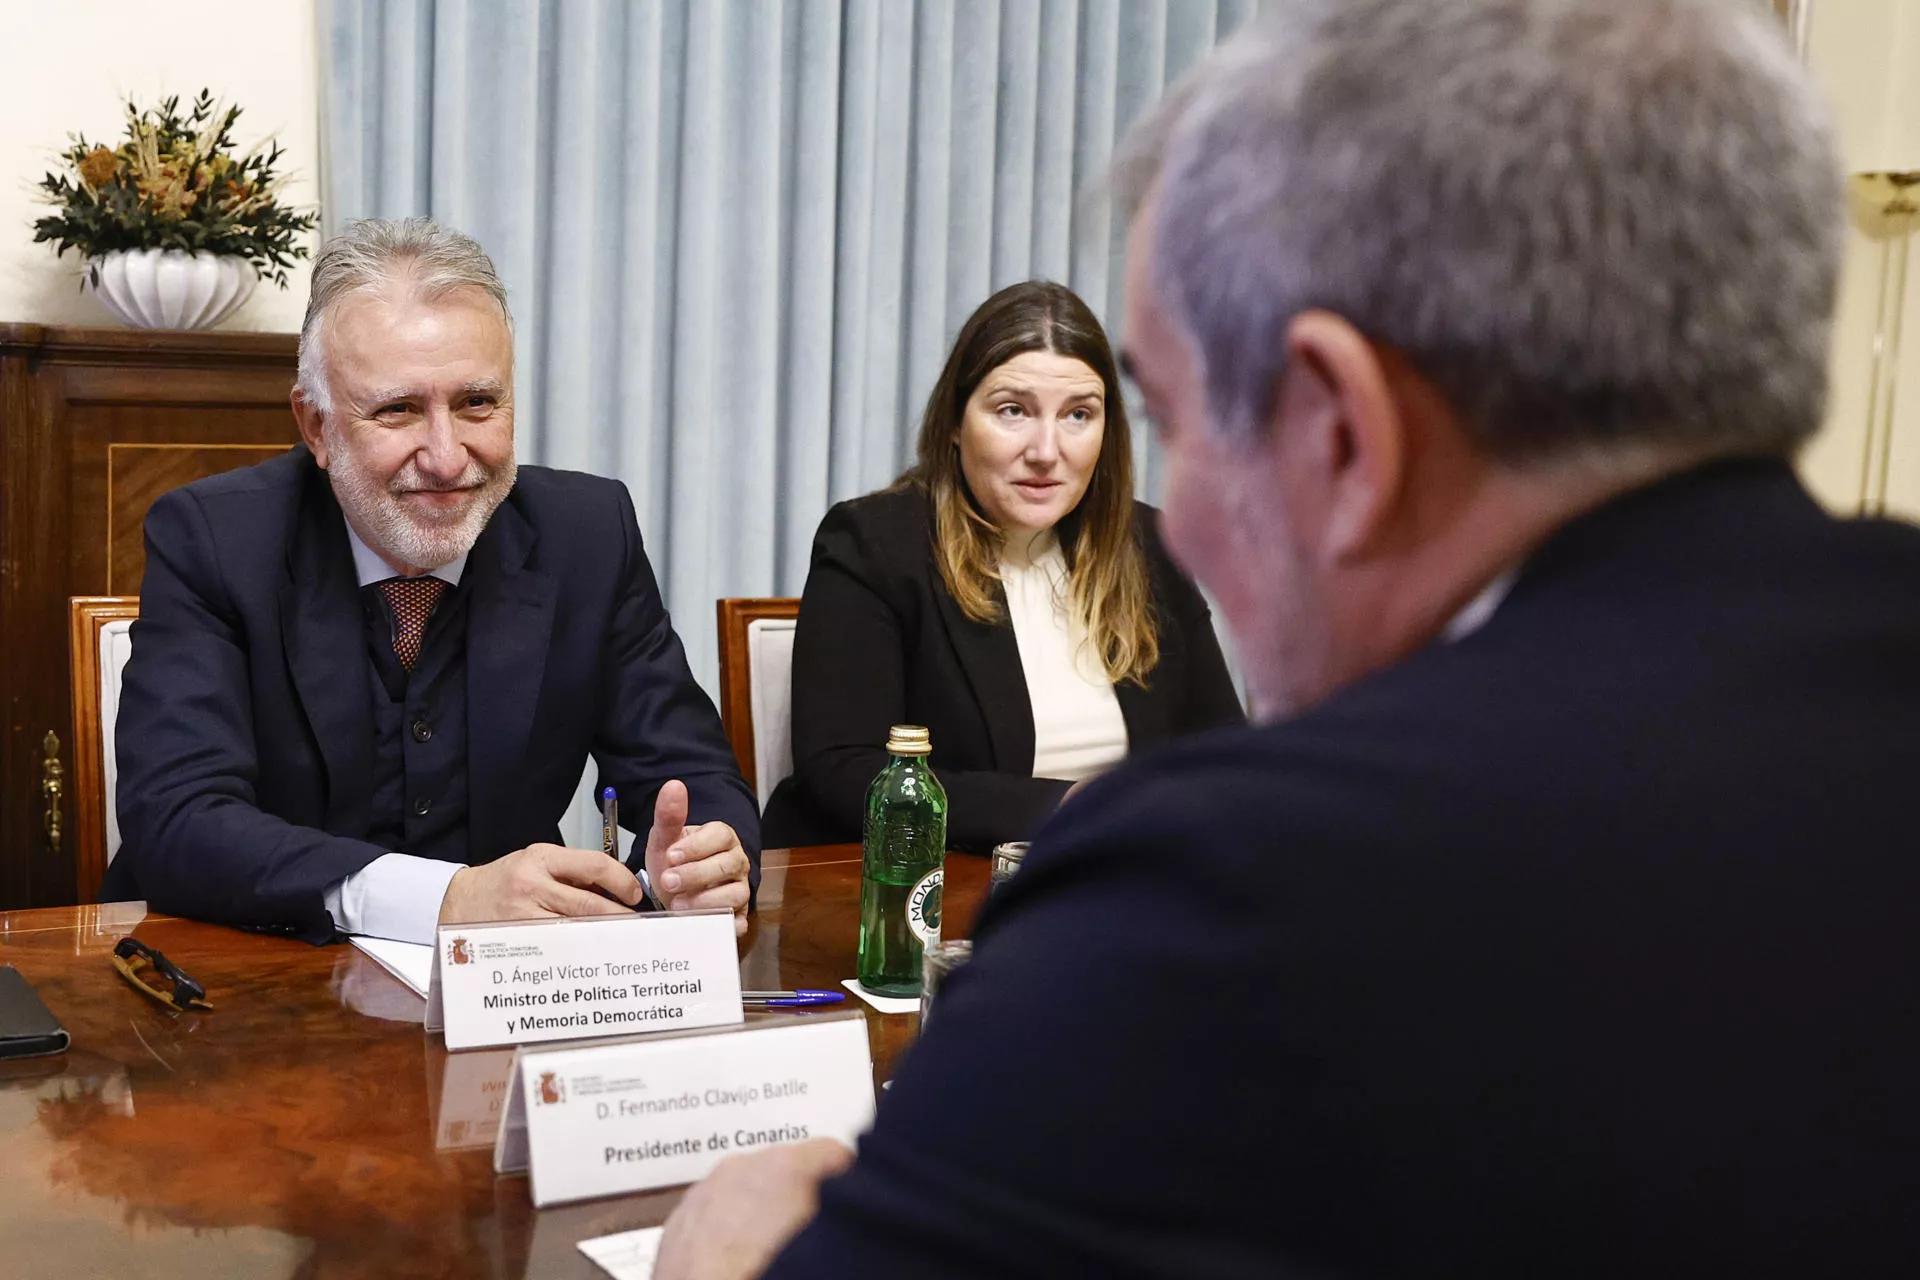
[94,425]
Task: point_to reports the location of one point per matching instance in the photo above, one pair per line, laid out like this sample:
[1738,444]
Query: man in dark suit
[367,674]
[1559,919]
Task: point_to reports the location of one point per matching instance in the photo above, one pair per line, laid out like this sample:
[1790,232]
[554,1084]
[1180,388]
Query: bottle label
[923,906]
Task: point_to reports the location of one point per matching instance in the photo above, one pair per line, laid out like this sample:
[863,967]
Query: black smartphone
[27,1029]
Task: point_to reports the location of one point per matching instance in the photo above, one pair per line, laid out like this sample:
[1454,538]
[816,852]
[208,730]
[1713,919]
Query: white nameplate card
[584,976]
[661,1111]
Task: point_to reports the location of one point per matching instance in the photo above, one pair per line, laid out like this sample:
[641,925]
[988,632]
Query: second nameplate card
[529,982]
[623,1116]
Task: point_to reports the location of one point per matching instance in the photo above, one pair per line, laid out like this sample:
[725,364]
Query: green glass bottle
[904,860]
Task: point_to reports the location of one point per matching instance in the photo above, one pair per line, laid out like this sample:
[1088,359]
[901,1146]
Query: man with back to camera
[367,674]
[1558,920]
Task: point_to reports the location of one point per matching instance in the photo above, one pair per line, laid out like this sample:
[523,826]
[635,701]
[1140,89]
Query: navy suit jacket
[245,735]
[1584,946]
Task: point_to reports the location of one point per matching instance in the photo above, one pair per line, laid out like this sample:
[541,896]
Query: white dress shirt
[1479,611]
[1077,727]
[396,895]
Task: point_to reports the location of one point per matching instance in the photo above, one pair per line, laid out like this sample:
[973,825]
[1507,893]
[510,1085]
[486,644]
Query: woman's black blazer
[881,642]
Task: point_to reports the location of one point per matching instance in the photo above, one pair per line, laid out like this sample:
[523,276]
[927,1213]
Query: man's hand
[540,880]
[732,1224]
[695,866]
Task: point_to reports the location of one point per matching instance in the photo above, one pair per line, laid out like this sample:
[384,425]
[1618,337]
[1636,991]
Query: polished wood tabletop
[307,1125]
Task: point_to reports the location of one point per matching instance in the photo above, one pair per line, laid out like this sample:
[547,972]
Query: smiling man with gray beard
[367,674]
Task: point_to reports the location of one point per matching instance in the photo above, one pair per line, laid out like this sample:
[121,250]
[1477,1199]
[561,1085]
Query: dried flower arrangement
[174,183]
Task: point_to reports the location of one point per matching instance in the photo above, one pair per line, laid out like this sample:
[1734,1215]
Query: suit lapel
[990,657]
[325,638]
[509,628]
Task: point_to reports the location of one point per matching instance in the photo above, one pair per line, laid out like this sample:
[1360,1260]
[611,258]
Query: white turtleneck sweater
[1077,727]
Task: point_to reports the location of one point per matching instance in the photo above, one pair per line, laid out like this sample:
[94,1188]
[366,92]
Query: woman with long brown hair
[1007,592]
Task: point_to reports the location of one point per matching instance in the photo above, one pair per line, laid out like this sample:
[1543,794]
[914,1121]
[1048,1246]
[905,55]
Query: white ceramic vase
[171,289]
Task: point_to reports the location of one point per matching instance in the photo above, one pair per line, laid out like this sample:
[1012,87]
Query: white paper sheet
[411,962]
[885,1004]
[626,1256]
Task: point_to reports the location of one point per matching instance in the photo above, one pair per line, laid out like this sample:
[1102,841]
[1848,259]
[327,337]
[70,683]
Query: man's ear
[312,425]
[1356,438]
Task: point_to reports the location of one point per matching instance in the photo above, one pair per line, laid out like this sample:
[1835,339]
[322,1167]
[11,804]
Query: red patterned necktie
[412,601]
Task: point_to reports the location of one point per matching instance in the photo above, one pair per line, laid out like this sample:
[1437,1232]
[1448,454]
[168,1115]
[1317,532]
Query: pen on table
[792,999]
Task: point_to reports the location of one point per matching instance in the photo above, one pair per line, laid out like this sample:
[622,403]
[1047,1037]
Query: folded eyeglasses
[142,966]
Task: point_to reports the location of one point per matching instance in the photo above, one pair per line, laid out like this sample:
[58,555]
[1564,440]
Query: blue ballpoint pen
[610,841]
[803,998]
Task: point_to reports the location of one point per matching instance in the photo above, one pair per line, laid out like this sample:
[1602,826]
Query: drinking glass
[1006,861]
[937,962]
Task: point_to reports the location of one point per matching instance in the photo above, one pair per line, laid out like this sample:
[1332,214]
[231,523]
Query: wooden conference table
[307,1126]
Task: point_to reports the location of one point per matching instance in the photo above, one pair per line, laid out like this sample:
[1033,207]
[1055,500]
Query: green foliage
[174,183]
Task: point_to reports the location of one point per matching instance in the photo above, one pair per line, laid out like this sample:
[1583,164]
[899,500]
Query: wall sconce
[1798,16]
[1886,207]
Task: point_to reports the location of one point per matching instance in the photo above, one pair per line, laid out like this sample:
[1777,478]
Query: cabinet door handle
[51,786]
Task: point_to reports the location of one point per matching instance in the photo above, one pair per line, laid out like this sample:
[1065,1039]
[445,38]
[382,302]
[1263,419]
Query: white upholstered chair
[756,687]
[100,640]
[770,685]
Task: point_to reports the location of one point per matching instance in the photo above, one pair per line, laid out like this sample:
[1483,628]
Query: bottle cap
[909,740]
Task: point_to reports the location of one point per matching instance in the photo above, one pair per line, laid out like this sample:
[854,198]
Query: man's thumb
[670,811]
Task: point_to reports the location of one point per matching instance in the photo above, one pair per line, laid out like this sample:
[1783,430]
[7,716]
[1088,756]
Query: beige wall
[1866,55]
[66,66]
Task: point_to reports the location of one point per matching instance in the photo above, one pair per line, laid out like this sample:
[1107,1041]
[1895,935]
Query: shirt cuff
[395,896]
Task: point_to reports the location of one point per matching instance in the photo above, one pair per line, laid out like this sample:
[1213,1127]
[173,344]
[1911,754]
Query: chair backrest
[99,641]
[770,679]
[756,687]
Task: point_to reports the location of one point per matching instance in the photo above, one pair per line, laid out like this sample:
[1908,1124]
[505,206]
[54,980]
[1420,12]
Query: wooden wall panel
[139,473]
[94,425]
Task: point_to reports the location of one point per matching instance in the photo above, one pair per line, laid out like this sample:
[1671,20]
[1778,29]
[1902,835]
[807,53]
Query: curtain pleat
[740,235]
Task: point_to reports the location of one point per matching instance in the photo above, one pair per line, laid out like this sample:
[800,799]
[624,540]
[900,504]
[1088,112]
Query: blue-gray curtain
[739,235]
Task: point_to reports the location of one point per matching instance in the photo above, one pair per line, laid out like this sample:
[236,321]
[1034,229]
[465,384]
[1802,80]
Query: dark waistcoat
[419,731]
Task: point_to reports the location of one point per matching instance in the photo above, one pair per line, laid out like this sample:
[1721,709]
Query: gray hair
[1595,227]
[375,252]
